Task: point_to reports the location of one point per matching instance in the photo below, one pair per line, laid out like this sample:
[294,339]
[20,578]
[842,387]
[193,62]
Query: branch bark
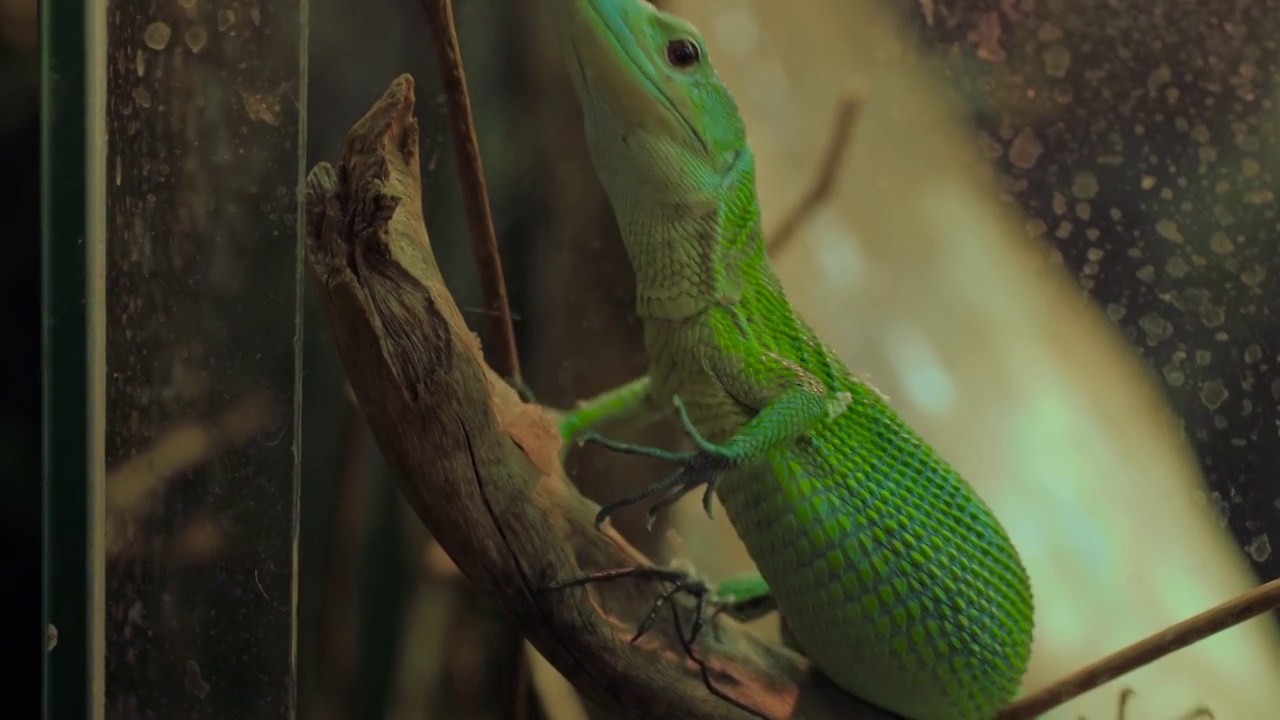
[480,468]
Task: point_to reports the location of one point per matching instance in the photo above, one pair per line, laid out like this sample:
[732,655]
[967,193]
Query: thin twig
[465,656]
[846,119]
[511,641]
[350,510]
[484,245]
[475,195]
[1173,638]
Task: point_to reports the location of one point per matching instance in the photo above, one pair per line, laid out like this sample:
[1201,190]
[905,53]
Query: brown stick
[484,246]
[480,467]
[846,119]
[339,640]
[1171,639]
[475,195]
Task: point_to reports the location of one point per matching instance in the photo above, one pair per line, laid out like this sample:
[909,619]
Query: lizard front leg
[744,597]
[791,402]
[631,403]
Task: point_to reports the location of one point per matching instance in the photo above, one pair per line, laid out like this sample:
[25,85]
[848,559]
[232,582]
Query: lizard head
[661,126]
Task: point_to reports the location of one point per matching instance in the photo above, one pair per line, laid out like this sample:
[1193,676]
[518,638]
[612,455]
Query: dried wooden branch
[339,641]
[480,467]
[475,195]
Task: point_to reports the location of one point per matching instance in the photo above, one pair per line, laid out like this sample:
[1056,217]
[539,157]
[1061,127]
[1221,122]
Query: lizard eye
[683,53]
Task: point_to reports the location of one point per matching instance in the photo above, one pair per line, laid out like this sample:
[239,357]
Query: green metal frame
[68,669]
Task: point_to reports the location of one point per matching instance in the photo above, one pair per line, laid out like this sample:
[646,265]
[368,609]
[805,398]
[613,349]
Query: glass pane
[202,267]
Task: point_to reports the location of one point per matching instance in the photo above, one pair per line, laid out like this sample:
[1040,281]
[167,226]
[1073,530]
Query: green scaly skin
[893,576]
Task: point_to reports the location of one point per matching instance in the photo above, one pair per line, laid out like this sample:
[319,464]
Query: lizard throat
[692,264]
[696,253]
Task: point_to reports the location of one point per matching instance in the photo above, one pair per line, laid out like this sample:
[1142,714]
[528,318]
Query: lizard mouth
[627,76]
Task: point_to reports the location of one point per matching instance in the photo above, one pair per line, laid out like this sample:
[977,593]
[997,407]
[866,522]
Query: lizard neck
[691,256]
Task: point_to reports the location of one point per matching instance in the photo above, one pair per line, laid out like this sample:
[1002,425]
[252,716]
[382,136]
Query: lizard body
[892,575]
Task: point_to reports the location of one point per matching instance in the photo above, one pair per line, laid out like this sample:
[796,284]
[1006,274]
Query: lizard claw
[703,467]
[677,581]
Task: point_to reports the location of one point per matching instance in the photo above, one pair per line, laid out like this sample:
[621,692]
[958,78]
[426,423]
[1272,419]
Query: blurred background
[1052,242]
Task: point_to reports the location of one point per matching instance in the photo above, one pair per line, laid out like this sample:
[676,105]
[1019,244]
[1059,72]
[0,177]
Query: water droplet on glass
[1260,548]
[1156,327]
[1220,243]
[1212,394]
[196,38]
[1161,76]
[1168,229]
[1056,61]
[1025,149]
[157,36]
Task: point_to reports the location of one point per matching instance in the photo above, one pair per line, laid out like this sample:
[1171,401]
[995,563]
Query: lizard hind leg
[736,604]
[704,671]
[677,581]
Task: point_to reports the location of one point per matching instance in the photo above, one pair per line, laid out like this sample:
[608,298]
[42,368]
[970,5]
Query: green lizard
[892,575]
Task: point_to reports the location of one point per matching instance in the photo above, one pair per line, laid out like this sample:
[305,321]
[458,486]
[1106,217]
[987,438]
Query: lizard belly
[879,588]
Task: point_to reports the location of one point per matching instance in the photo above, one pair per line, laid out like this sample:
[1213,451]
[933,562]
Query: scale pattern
[894,576]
